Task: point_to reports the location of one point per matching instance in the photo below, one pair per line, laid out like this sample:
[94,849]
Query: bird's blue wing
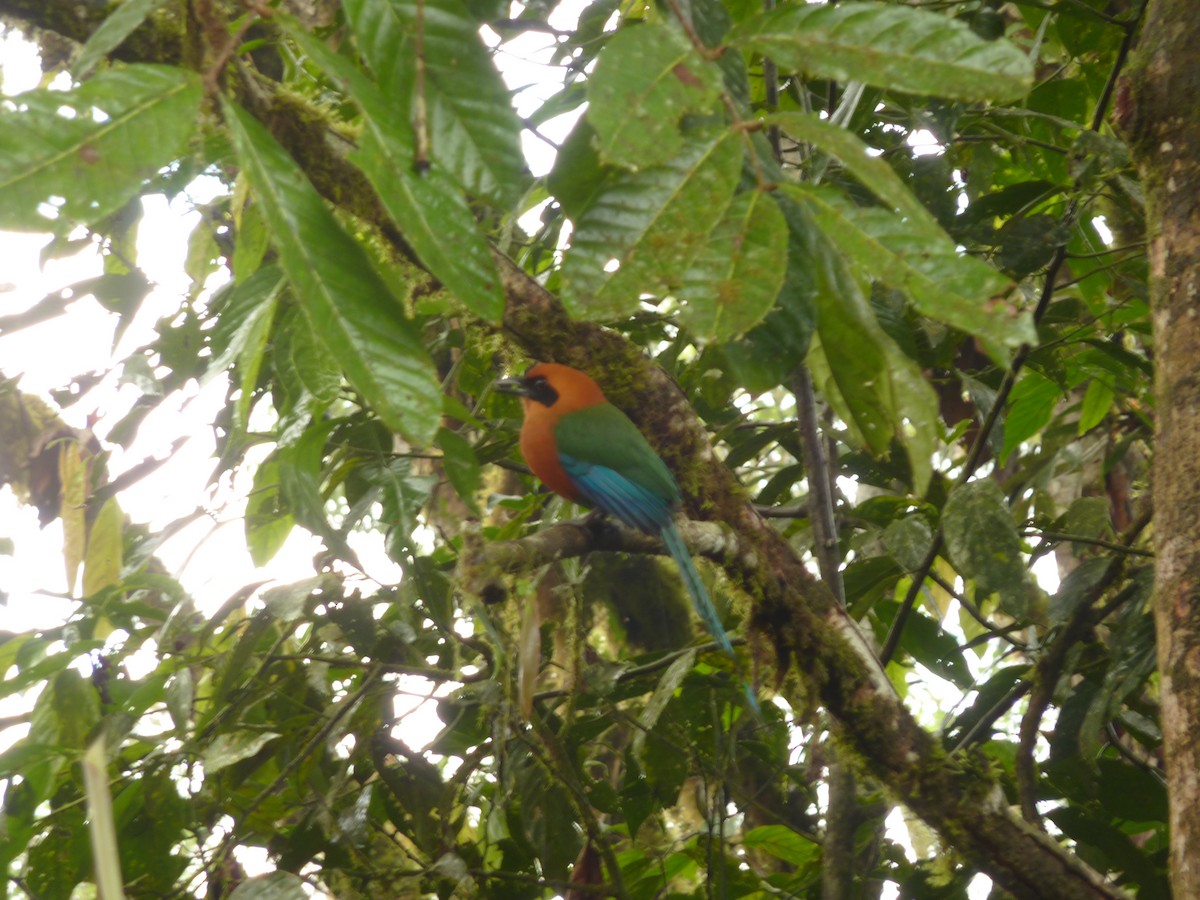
[611,492]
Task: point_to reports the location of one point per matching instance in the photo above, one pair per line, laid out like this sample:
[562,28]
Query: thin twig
[820,497]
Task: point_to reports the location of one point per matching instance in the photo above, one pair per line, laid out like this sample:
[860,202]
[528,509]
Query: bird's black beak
[517,386]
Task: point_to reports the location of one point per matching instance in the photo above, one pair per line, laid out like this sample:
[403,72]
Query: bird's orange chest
[540,449]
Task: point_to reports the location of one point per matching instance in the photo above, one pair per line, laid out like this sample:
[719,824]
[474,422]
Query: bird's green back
[602,435]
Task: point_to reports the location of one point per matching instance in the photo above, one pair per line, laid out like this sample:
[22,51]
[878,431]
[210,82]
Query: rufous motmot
[588,451]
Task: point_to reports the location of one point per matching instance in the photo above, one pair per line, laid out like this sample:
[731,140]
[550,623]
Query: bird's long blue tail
[701,601]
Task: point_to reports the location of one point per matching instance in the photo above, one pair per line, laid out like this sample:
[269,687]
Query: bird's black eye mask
[539,390]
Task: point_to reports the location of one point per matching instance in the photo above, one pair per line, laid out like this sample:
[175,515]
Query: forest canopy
[872,279]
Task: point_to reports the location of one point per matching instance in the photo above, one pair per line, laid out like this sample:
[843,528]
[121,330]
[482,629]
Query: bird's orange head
[550,391]
[553,389]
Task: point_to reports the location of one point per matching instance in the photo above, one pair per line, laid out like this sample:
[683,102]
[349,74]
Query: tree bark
[1159,108]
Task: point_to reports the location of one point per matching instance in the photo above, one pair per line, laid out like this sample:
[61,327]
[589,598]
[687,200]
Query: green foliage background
[740,200]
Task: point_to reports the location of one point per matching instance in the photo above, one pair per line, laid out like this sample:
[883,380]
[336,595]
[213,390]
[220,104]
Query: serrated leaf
[227,749]
[640,234]
[427,206]
[346,300]
[874,174]
[472,128]
[737,275]
[77,156]
[983,543]
[894,47]
[647,77]
[102,564]
[943,283]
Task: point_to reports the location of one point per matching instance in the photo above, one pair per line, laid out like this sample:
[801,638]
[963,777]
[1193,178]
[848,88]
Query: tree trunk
[1160,109]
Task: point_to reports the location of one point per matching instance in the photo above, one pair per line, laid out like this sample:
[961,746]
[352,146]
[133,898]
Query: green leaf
[251,242]
[769,352]
[78,156]
[151,818]
[876,389]
[344,297]
[471,127]
[244,328]
[1030,408]
[647,78]
[872,171]
[181,695]
[77,708]
[227,749]
[1097,401]
[288,602]
[404,495]
[121,23]
[579,176]
[268,523]
[462,466]
[102,565]
[895,47]
[643,231]
[666,688]
[983,543]
[1076,588]
[781,842]
[427,205]
[306,361]
[943,283]
[737,275]
[908,541]
[1088,517]
[1092,830]
[928,644]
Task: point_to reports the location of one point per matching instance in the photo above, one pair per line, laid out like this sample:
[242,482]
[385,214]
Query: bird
[585,449]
